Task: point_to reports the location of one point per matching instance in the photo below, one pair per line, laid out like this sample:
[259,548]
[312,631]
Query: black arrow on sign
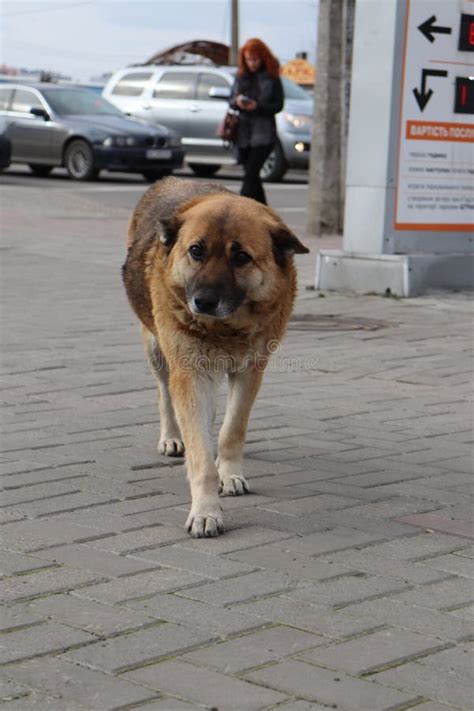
[428,29]
[422,97]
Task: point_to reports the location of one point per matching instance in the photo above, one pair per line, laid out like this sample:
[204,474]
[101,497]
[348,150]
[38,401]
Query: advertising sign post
[410,178]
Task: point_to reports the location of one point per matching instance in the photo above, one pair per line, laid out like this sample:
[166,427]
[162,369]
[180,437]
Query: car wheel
[79,161]
[203,170]
[41,170]
[275,166]
[152,175]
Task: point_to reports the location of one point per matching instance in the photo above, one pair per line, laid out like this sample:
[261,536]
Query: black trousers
[252,160]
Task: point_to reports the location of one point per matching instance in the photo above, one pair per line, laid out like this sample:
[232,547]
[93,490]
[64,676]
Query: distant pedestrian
[258,95]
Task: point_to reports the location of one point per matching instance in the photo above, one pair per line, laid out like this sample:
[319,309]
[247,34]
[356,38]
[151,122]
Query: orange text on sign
[439,131]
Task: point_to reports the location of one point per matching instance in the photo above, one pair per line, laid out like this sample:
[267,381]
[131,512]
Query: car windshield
[293,91]
[79,102]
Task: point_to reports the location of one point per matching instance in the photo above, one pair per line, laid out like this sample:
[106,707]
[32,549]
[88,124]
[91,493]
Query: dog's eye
[197,251]
[240,258]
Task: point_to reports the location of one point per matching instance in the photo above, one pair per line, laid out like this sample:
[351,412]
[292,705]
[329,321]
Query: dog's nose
[206,303]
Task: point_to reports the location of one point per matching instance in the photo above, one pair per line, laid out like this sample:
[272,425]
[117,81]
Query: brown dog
[211,277]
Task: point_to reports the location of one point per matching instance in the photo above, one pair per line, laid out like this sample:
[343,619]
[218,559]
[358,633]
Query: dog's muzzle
[212,302]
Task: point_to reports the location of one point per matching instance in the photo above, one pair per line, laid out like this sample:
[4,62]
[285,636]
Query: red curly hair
[257,47]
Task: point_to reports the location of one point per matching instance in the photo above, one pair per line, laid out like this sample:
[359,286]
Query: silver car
[192,100]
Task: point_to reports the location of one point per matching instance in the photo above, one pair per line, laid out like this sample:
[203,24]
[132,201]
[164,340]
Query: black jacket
[258,128]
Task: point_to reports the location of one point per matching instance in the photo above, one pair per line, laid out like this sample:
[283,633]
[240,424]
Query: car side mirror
[40,112]
[220,92]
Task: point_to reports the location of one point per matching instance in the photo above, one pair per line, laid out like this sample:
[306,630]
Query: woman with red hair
[258,95]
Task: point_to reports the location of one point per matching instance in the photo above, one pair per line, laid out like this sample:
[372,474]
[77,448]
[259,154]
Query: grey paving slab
[140,540]
[30,535]
[369,561]
[431,683]
[139,648]
[87,558]
[254,649]
[345,590]
[302,567]
[199,562]
[18,616]
[433,706]
[441,625]
[443,595]
[466,612]
[328,687]
[87,615]
[305,616]
[221,622]
[452,564]
[71,683]
[298,705]
[37,701]
[59,504]
[458,660]
[40,639]
[206,686]
[319,502]
[373,651]
[239,539]
[10,691]
[270,520]
[16,563]
[168,703]
[139,585]
[241,589]
[43,582]
[442,521]
[325,542]
[420,546]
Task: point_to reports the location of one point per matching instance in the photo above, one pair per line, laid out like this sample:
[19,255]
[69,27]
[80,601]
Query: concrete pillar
[327,170]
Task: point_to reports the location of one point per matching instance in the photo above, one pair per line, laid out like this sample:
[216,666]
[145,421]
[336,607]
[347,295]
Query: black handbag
[227,129]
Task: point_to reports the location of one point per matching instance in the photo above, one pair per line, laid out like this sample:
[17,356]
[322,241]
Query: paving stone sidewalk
[344,581]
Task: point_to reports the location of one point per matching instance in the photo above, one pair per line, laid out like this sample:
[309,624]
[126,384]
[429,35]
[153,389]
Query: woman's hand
[245,104]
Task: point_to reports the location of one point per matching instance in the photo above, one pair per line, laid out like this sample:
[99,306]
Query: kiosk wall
[409,213]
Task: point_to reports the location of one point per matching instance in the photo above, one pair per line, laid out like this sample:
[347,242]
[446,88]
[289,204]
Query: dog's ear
[285,244]
[169,226]
[167,231]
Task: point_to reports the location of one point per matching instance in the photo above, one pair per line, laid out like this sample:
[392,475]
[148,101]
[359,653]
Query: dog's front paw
[233,486]
[205,521]
[231,480]
[171,447]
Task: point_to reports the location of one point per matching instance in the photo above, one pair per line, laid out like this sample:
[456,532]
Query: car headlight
[300,122]
[119,141]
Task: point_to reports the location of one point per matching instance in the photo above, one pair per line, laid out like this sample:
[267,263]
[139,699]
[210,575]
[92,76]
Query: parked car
[193,100]
[51,125]
[5,146]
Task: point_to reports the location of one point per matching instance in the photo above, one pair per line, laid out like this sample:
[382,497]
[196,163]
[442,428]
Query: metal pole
[234,41]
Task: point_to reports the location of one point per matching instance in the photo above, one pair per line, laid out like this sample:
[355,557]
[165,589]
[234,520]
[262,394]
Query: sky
[85,38]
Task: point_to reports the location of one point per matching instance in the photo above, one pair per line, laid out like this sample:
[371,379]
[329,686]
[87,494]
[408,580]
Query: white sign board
[435,173]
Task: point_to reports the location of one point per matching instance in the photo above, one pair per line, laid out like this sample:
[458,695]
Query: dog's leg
[170,442]
[243,388]
[193,398]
